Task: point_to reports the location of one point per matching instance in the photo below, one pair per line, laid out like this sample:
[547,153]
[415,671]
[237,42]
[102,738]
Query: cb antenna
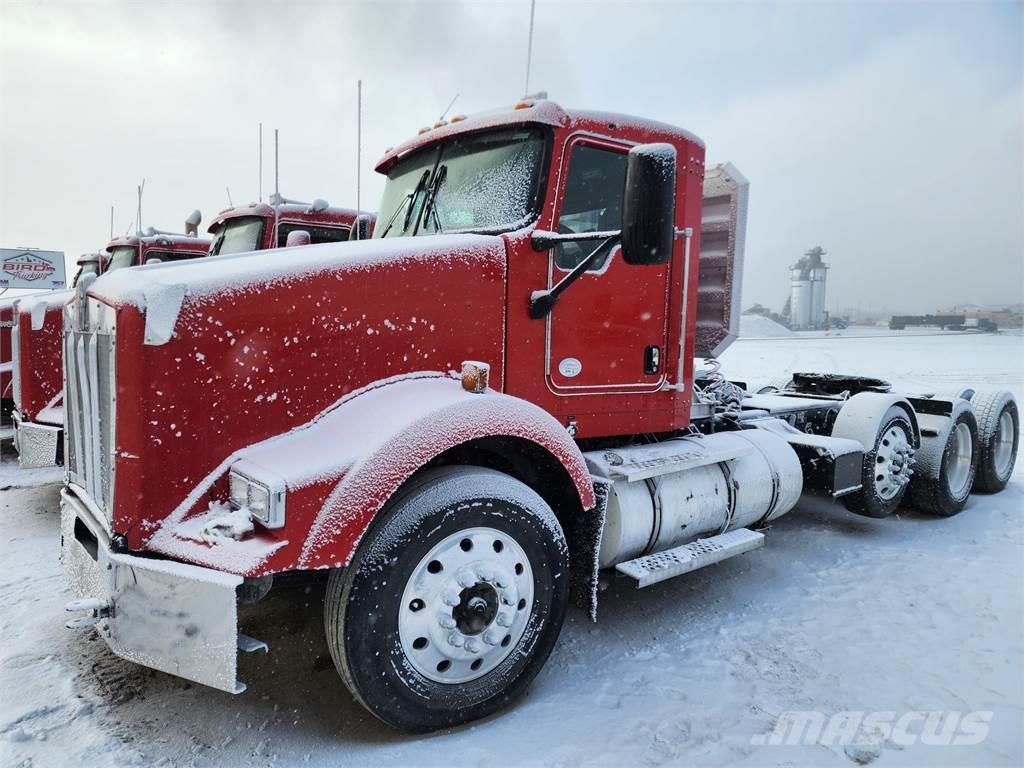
[111,222]
[446,109]
[277,187]
[261,163]
[230,203]
[359,143]
[529,46]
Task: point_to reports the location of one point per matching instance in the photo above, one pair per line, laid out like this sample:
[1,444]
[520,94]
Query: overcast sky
[890,134]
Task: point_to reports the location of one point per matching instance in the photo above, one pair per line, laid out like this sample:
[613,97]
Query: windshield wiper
[430,201]
[410,200]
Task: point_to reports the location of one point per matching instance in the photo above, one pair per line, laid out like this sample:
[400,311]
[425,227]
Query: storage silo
[807,291]
[800,298]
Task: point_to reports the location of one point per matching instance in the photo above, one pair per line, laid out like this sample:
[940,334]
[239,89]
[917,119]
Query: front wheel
[453,601]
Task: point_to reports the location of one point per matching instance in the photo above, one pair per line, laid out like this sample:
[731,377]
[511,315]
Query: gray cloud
[889,135]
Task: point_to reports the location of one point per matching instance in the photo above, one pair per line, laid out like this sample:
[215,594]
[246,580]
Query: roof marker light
[422,130]
[523,105]
[458,118]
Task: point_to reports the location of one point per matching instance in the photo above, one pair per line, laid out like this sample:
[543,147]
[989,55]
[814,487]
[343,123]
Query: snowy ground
[836,613]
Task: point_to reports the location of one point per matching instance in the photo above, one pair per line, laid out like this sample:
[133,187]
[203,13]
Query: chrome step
[650,569]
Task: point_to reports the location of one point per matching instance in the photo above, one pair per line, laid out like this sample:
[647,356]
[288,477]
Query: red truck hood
[40,332]
[214,357]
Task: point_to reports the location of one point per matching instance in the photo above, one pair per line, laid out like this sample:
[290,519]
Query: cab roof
[173,242]
[540,112]
[286,212]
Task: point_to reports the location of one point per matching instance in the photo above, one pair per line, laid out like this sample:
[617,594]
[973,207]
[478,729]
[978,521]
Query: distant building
[1004,316]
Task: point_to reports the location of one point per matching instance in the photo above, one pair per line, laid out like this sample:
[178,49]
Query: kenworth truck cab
[259,226]
[464,419]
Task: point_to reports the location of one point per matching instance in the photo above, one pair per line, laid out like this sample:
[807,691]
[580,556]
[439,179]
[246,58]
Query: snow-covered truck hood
[215,356]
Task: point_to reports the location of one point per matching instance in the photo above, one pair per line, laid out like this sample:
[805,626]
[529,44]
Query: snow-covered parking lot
[836,613]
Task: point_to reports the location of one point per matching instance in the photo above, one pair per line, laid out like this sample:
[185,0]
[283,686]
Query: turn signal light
[475,376]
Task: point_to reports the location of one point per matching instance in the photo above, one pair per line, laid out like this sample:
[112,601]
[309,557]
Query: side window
[592,201]
[316,234]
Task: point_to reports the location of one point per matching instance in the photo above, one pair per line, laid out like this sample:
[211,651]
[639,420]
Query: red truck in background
[39,419]
[37,370]
[261,226]
[87,264]
[463,420]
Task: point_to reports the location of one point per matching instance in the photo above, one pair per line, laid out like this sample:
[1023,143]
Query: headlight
[265,501]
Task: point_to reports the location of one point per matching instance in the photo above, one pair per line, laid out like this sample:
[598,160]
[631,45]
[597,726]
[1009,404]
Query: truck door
[608,332]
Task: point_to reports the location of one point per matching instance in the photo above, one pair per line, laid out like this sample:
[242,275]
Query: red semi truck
[39,419]
[38,384]
[463,420]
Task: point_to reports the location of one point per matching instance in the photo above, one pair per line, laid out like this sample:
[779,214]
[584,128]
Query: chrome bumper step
[650,569]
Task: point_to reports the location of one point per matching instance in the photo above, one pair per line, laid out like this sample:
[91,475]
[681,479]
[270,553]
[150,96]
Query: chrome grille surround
[89,401]
[15,360]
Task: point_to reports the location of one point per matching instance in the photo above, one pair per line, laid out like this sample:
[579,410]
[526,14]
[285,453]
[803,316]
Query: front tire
[453,601]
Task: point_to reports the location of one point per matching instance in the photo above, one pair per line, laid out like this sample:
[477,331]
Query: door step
[650,569]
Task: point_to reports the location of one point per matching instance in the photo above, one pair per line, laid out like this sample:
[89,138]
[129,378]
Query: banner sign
[31,268]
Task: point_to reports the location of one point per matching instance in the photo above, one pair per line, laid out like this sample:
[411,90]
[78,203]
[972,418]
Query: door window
[592,202]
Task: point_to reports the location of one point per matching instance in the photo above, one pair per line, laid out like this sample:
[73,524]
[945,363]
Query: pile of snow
[759,326]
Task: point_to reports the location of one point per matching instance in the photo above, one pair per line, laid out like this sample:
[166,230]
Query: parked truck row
[37,386]
[463,421]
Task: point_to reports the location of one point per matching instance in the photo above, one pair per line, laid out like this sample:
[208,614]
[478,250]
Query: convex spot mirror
[296,238]
[649,204]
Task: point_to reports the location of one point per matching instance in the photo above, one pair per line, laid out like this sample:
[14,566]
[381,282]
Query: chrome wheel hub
[1005,439]
[894,463]
[958,461]
[466,605]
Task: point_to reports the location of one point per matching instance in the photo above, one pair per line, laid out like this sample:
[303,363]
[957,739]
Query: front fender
[376,441]
[343,466]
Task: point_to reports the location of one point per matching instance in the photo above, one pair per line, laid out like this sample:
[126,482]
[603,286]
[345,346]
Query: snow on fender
[350,459]
[400,428]
[886,425]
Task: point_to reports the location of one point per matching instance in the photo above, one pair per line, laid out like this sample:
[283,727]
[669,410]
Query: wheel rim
[958,461]
[466,605]
[1005,439]
[894,461]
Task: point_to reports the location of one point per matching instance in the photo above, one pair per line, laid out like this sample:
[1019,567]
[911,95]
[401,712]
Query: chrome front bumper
[177,618]
[37,444]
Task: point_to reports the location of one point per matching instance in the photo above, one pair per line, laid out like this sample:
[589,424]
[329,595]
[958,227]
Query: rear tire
[453,601]
[947,494]
[998,435]
[885,474]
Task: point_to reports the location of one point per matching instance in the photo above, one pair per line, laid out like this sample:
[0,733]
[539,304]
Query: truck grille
[89,414]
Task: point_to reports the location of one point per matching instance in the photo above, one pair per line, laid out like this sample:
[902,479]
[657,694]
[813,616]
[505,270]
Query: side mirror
[154,260]
[649,204]
[296,238]
[361,227]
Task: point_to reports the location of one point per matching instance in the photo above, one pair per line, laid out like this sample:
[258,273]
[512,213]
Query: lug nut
[450,597]
[504,620]
[471,646]
[465,578]
[446,620]
[484,573]
[456,639]
[492,636]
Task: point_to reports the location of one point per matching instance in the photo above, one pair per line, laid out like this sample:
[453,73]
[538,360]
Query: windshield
[238,236]
[88,268]
[121,256]
[478,182]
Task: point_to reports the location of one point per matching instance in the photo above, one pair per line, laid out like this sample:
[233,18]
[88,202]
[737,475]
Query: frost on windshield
[479,182]
[488,195]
